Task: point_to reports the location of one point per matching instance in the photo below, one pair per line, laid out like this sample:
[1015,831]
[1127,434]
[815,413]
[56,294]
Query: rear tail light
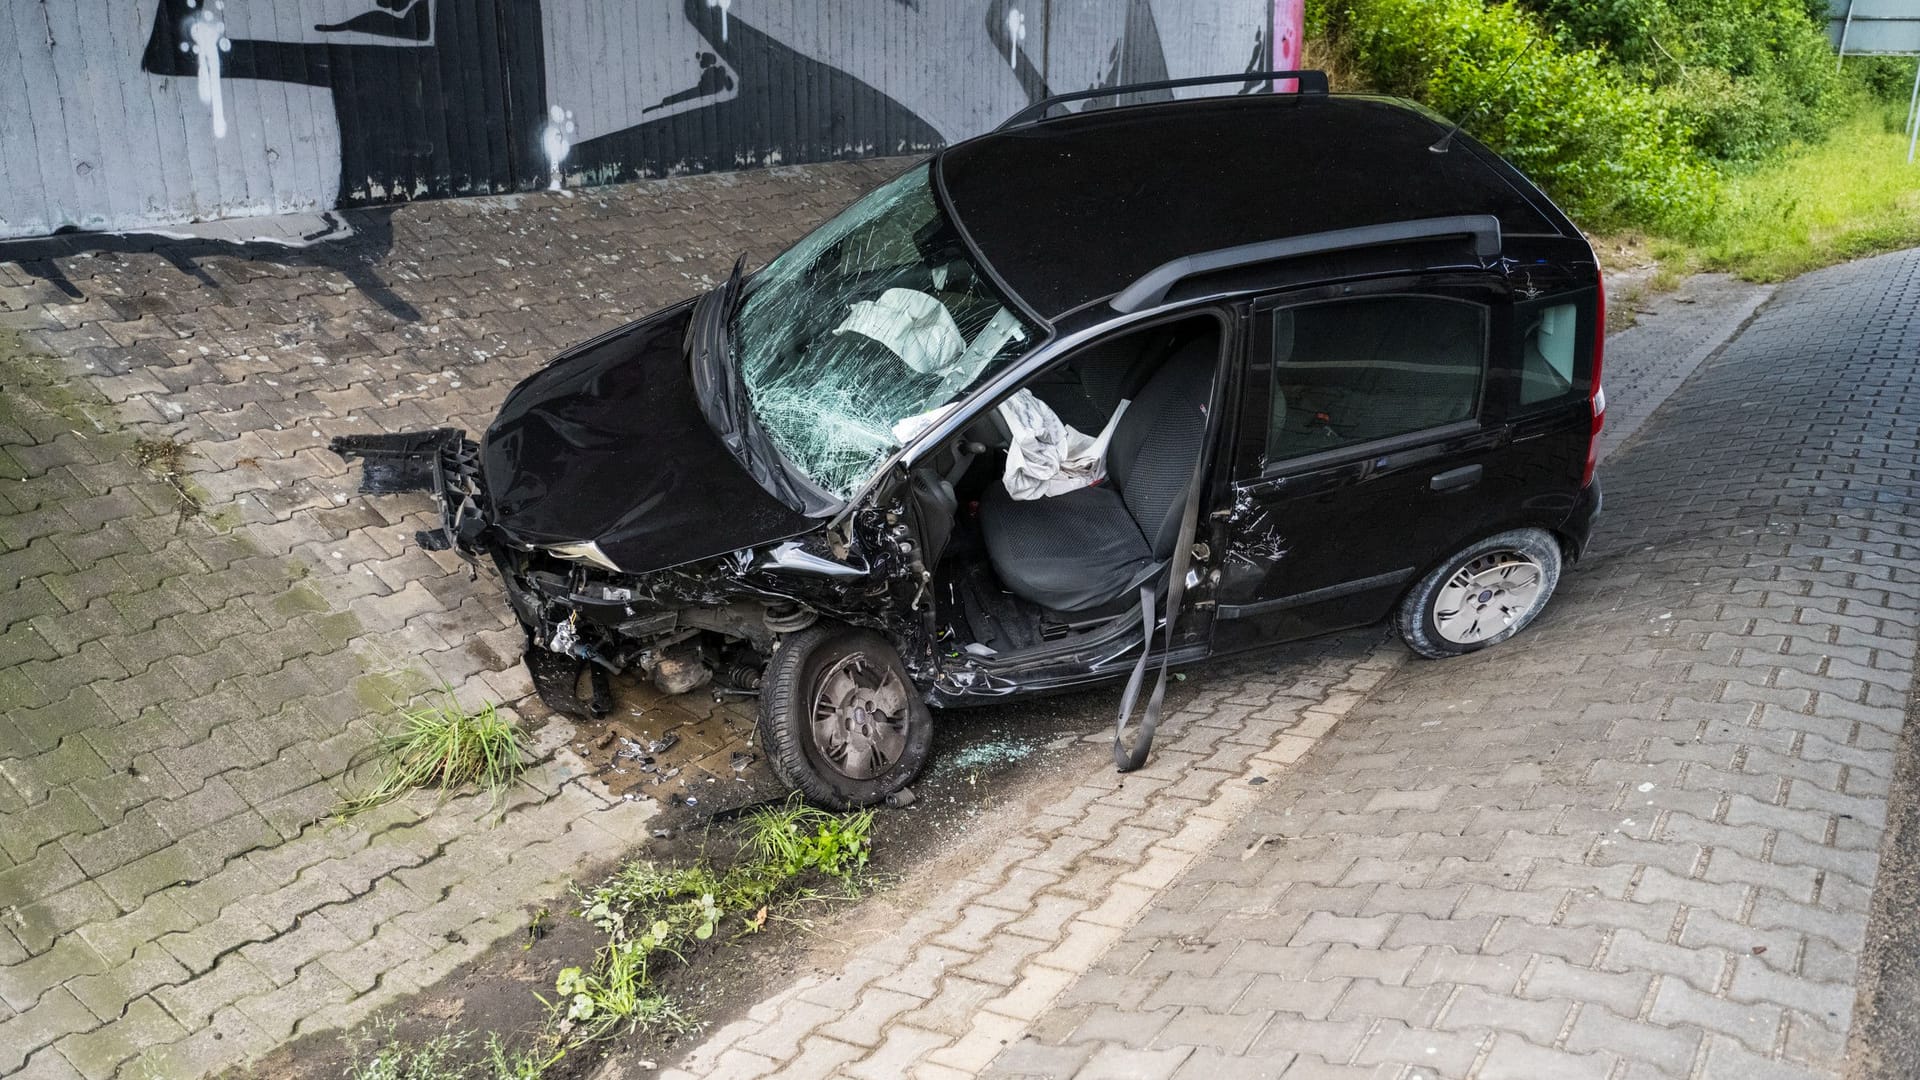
[1598,396]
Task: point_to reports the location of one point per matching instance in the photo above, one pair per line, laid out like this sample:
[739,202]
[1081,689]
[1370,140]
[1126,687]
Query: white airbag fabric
[1048,457]
[916,326]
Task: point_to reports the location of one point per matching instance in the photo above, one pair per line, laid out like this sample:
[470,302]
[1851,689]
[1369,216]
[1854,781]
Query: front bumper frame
[442,461]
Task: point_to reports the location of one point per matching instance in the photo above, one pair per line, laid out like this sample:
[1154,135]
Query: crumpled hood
[608,444]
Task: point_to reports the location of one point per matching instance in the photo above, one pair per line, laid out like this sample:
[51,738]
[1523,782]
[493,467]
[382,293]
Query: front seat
[1091,546]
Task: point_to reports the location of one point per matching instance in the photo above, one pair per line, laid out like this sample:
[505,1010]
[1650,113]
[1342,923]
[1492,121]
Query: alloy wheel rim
[1487,596]
[860,717]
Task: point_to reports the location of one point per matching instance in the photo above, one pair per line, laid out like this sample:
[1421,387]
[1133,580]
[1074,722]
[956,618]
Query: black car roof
[1071,210]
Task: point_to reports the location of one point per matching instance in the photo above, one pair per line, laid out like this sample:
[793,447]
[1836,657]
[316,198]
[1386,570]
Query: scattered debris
[164,459]
[989,752]
[901,799]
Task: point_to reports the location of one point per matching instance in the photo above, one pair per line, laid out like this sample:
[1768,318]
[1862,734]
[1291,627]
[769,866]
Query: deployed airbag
[1047,456]
[915,326]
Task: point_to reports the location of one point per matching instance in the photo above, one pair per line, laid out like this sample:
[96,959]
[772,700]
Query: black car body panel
[1124,190]
[608,445]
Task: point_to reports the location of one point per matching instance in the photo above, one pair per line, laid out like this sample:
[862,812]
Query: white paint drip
[556,139]
[723,5]
[207,34]
[1016,33]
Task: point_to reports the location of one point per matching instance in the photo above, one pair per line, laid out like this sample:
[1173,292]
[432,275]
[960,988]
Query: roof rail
[1309,82]
[1152,287]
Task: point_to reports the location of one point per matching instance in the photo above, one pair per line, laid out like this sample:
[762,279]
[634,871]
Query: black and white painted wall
[136,114]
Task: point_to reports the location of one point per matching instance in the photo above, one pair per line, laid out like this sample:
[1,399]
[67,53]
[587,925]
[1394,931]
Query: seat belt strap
[1126,760]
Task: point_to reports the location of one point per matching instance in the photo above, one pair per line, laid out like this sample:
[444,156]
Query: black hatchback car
[1141,384]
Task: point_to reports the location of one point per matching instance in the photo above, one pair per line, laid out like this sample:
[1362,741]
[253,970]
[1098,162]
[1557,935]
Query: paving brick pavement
[180,695]
[1638,841]
[1672,333]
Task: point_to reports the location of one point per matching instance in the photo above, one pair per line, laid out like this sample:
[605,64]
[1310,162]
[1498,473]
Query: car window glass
[853,339]
[1547,353]
[1352,371]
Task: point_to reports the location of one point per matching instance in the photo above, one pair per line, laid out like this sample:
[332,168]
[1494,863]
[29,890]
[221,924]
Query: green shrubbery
[1746,76]
[1606,148]
[1627,111]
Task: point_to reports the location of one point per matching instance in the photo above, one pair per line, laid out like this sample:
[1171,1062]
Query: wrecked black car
[1129,386]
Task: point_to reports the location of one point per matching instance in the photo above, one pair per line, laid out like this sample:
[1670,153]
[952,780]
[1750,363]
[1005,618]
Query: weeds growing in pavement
[442,745]
[653,916]
[377,1056]
[651,913]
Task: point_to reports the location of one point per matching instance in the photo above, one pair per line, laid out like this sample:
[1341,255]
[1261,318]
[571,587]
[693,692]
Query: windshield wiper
[715,382]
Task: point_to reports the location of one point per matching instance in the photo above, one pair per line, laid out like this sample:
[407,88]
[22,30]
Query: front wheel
[840,719]
[1482,596]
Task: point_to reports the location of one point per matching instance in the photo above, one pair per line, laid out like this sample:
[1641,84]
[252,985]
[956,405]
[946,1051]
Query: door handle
[1456,479]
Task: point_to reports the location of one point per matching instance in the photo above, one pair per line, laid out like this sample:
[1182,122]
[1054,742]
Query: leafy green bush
[1746,76]
[1608,150]
[1886,78]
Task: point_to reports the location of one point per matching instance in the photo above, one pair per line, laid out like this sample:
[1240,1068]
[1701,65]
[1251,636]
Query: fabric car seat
[1086,548]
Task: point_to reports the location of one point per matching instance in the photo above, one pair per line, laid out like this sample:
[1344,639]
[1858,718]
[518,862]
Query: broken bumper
[442,461]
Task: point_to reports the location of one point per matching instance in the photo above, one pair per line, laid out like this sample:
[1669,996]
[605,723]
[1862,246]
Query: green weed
[443,745]
[651,913]
[526,1063]
[378,1056]
[798,837]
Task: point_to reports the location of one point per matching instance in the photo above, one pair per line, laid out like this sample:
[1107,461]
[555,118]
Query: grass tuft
[442,745]
[377,1056]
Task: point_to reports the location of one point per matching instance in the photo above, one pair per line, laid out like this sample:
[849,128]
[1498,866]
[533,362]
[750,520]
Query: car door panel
[1350,563]
[1317,542]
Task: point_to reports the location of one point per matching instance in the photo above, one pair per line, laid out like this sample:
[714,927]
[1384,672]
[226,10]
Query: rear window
[1356,371]
[1549,348]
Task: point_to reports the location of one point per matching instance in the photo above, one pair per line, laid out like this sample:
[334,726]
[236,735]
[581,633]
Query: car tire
[1481,596]
[840,718]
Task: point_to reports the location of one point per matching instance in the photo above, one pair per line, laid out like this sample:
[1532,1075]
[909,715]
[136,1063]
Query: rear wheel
[840,719]
[1482,596]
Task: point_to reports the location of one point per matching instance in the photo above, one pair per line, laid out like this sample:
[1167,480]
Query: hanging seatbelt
[1128,760]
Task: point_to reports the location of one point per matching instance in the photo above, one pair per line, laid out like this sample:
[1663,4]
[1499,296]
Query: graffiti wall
[135,114]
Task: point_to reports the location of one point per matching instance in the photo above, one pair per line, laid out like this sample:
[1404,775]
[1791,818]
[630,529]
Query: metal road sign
[1880,28]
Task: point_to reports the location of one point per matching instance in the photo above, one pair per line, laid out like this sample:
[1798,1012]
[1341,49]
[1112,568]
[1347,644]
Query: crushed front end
[712,621]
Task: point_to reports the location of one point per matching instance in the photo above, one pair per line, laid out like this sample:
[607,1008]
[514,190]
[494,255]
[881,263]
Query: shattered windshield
[858,336]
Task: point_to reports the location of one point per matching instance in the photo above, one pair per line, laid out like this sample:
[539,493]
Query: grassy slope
[1850,196]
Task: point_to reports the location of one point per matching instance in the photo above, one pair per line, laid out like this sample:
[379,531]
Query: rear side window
[1354,371]
[1549,344]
